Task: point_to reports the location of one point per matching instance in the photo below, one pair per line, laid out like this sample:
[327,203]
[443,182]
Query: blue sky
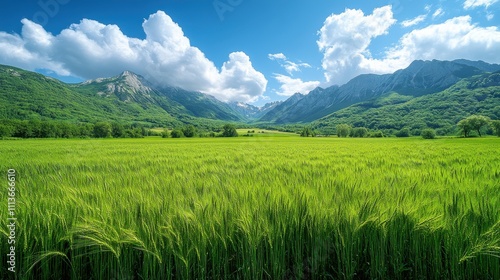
[243,50]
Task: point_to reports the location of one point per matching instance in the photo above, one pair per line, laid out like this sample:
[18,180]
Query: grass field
[254,208]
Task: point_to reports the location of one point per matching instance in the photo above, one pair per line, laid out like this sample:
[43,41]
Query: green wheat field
[272,207]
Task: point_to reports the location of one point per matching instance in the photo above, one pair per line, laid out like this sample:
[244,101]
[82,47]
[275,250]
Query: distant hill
[426,94]
[275,113]
[420,78]
[125,98]
[28,95]
[441,111]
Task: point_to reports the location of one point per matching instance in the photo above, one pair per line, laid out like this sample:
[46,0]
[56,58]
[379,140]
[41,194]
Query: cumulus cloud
[290,86]
[344,41]
[90,49]
[287,64]
[415,21]
[470,4]
[455,38]
[239,80]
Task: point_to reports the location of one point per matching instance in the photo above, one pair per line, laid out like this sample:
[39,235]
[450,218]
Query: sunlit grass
[255,208]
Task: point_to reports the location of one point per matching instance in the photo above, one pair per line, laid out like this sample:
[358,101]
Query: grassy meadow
[254,208]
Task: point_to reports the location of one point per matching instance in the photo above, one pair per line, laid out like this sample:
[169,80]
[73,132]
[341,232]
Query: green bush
[405,132]
[189,131]
[229,130]
[496,127]
[360,132]
[428,133]
[377,134]
[343,130]
[101,130]
[177,133]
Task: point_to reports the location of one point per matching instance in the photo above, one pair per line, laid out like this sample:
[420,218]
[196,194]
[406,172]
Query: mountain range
[420,78]
[129,97]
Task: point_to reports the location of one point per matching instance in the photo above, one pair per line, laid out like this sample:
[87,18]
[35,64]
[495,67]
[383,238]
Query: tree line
[474,123]
[58,129]
[190,131]
[103,129]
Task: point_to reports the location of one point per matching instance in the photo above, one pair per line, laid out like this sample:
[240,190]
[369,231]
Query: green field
[254,208]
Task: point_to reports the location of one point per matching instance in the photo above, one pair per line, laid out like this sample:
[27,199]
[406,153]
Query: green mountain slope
[126,98]
[27,95]
[201,105]
[418,79]
[441,111]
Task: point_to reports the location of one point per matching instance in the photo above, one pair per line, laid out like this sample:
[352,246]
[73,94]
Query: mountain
[125,98]
[274,113]
[251,112]
[27,95]
[201,105]
[131,89]
[373,101]
[440,111]
[418,79]
[486,67]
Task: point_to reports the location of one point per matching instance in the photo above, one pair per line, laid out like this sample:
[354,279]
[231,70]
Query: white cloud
[290,86]
[287,64]
[439,12]
[470,4]
[277,56]
[91,49]
[239,80]
[456,38]
[344,41]
[415,21]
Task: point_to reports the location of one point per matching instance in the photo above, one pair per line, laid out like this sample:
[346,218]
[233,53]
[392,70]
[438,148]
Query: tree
[47,130]
[477,122]
[189,131]
[360,132]
[377,134]
[177,133]
[496,126]
[229,130]
[165,133]
[36,128]
[66,130]
[23,130]
[474,122]
[6,130]
[102,130]
[307,131]
[85,130]
[464,127]
[428,133]
[343,130]
[117,130]
[405,132]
